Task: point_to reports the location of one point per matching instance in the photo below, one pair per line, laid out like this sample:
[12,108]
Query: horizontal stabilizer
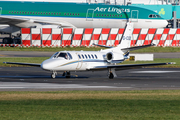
[127,66]
[28,64]
[136,48]
[102,46]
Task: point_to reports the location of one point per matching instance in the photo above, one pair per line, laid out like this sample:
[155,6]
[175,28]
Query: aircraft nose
[165,22]
[46,65]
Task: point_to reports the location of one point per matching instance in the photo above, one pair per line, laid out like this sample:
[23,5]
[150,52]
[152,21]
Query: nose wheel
[53,75]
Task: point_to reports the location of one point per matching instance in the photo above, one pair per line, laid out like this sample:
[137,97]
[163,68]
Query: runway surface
[49,54]
[35,79]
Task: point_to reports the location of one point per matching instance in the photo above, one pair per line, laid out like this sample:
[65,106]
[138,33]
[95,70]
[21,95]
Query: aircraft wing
[102,45]
[17,20]
[137,47]
[28,64]
[127,66]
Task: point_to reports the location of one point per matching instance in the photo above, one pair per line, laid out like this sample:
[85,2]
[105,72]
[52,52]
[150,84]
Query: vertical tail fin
[126,39]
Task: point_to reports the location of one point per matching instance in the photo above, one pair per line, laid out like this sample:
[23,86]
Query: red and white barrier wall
[103,36]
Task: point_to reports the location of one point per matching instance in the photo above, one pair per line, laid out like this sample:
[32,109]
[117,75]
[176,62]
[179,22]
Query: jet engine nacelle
[114,57]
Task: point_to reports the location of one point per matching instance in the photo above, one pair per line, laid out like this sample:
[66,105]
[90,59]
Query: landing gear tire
[68,74]
[53,75]
[111,76]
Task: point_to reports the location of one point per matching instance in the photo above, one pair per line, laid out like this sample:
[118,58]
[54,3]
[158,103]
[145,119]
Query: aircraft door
[90,15]
[80,61]
[134,15]
[0,10]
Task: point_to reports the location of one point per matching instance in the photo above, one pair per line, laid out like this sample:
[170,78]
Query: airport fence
[50,37]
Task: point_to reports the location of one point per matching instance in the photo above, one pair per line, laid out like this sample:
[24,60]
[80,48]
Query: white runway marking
[154,71]
[12,87]
[20,85]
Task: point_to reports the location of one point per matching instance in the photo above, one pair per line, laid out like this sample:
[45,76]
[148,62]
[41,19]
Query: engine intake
[109,57]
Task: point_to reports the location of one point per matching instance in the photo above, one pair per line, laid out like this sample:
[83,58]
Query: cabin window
[95,56]
[79,56]
[86,56]
[89,56]
[64,13]
[92,56]
[107,15]
[82,56]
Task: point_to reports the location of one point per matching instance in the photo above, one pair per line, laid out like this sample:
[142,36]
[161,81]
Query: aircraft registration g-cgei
[94,60]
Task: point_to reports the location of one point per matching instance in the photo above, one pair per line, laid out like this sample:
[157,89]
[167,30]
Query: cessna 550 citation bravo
[93,60]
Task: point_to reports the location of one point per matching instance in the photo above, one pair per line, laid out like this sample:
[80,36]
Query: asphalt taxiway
[35,79]
[49,54]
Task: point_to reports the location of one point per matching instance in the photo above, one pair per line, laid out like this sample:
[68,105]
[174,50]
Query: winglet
[171,63]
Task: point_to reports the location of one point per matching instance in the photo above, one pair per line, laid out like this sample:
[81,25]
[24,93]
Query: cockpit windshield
[64,55]
[55,55]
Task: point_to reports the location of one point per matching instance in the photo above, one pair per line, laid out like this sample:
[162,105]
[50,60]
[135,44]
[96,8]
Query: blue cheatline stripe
[92,60]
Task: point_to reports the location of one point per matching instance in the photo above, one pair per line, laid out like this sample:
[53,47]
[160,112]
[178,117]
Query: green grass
[41,59]
[91,105]
[49,49]
[55,49]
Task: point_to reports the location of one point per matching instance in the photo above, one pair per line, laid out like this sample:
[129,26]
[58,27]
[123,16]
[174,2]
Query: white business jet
[93,60]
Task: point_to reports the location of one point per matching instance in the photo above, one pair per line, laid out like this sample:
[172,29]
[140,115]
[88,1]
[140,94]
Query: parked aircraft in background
[93,60]
[23,14]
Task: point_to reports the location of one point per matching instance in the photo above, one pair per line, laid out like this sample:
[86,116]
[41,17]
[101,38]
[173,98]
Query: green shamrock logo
[162,12]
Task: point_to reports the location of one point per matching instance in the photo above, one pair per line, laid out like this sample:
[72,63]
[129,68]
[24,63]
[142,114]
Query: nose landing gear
[53,75]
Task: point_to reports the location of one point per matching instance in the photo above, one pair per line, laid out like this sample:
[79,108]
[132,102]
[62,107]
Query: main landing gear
[65,73]
[111,76]
[112,73]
